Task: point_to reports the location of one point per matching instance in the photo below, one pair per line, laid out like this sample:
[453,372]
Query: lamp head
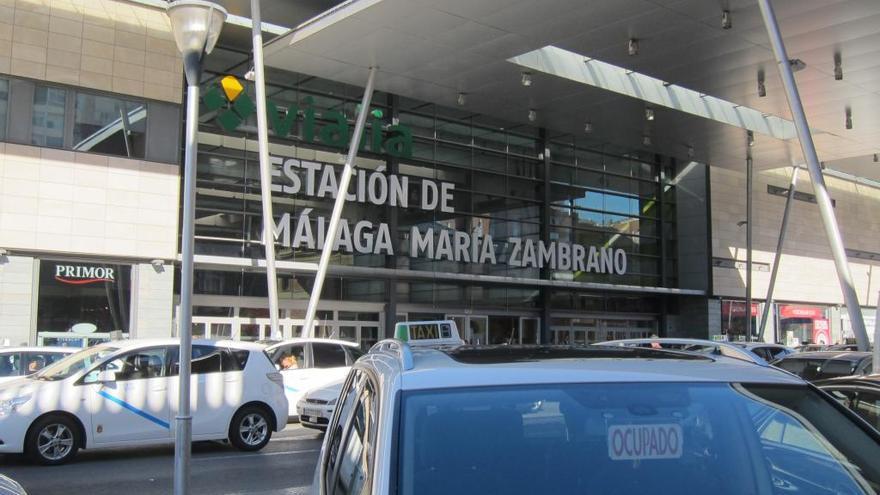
[196,26]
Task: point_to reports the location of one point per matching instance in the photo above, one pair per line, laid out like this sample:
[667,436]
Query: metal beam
[265,172]
[777,258]
[333,227]
[749,175]
[832,231]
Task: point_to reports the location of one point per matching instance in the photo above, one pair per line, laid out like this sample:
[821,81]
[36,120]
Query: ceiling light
[750,138]
[649,113]
[527,79]
[632,47]
[462,98]
[762,90]
[848,118]
[726,23]
[588,128]
[797,64]
[838,67]
[646,140]
[533,115]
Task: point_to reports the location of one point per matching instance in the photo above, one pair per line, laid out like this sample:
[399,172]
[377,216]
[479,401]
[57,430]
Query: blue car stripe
[143,414]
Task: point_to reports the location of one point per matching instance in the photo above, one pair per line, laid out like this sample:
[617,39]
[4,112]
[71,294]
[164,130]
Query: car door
[295,372]
[329,363]
[133,406]
[212,398]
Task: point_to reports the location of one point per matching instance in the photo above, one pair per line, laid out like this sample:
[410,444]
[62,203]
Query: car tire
[251,429]
[52,440]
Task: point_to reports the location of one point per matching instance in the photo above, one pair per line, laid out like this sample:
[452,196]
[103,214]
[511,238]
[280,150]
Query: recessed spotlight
[462,99]
[632,47]
[797,64]
[588,128]
[533,115]
[762,89]
[526,79]
[726,23]
[646,140]
[838,67]
[848,118]
[649,113]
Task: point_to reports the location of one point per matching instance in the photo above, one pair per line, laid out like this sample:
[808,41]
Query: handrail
[722,348]
[398,348]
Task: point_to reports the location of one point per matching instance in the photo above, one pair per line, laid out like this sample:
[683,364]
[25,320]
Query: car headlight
[9,406]
[333,402]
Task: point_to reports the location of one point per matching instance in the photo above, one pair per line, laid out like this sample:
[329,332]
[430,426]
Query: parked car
[9,486]
[315,408]
[810,347]
[859,393]
[125,393]
[826,364]
[307,363]
[16,362]
[769,352]
[843,347]
[621,420]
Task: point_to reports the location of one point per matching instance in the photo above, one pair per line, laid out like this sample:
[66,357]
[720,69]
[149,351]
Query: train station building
[525,170]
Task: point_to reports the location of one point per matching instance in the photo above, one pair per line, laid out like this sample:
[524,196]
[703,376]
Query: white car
[317,405]
[126,393]
[316,362]
[16,362]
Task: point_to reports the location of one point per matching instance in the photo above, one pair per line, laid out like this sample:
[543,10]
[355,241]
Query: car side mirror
[106,376]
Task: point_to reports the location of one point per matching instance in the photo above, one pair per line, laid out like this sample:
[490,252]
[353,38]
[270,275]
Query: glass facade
[467,180]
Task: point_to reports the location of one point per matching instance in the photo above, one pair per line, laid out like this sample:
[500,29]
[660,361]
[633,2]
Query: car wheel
[250,429]
[52,440]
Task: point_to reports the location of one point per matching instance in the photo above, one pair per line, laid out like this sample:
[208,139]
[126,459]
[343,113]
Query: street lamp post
[196,25]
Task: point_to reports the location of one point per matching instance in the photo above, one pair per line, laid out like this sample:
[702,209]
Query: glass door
[461,324]
[478,329]
[528,330]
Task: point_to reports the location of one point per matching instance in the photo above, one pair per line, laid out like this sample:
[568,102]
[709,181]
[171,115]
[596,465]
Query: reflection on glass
[109,125]
[48,117]
[4,106]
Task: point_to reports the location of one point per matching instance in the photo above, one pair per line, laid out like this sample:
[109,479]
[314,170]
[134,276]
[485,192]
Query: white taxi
[612,420]
[16,362]
[126,393]
[308,363]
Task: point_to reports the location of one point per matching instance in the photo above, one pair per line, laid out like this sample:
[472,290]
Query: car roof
[869,380]
[303,340]
[752,345]
[68,350]
[130,344]
[838,355]
[468,366]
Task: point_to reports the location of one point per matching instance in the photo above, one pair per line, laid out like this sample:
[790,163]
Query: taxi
[460,419]
[317,406]
[125,393]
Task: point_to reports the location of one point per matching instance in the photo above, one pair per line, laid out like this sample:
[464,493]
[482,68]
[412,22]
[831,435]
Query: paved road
[284,467]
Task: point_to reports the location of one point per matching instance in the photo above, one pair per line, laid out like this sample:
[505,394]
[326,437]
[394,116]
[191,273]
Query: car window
[35,361]
[807,369]
[868,407]
[234,359]
[630,438]
[10,364]
[845,397]
[836,367]
[136,365]
[328,355]
[353,353]
[210,359]
[353,455]
[337,430]
[291,356]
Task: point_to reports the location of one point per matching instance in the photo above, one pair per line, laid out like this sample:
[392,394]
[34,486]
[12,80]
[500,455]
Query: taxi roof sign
[438,332]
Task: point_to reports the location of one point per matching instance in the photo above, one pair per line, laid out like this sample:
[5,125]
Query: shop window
[83,297]
[4,106]
[735,319]
[48,117]
[109,125]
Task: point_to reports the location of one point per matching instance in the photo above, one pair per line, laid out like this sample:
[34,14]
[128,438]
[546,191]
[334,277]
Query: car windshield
[632,438]
[74,363]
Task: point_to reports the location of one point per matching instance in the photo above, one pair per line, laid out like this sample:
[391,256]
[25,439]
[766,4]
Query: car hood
[18,387]
[327,392]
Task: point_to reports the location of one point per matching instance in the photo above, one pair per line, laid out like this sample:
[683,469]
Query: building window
[735,319]
[48,117]
[82,298]
[110,125]
[4,106]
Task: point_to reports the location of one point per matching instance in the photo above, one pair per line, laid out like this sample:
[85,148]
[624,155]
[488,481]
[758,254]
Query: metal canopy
[432,50]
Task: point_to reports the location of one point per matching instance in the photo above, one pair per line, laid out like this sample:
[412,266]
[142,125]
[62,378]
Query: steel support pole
[876,363]
[183,421]
[778,256]
[342,190]
[265,172]
[749,172]
[832,231]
